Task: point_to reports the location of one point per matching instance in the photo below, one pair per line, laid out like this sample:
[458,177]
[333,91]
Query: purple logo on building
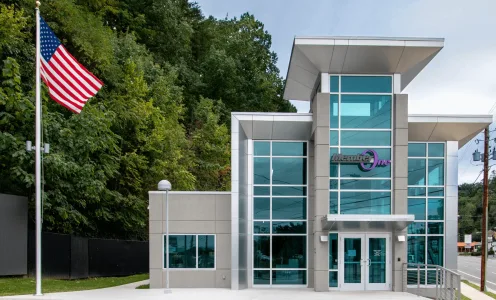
[368,160]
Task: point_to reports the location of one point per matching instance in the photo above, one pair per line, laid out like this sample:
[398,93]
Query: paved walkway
[474,294]
[128,292]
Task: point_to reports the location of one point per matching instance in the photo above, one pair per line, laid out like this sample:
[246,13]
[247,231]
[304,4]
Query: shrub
[476,253]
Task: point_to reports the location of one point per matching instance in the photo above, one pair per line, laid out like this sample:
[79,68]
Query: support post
[484,210]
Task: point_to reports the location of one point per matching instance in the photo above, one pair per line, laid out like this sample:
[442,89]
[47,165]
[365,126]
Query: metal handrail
[446,284]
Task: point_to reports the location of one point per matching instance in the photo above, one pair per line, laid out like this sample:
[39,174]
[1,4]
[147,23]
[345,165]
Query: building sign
[368,160]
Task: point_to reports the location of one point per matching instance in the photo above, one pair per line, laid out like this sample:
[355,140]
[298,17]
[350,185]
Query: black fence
[71,257]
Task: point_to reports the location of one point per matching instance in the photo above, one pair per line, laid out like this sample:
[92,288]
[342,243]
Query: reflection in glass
[416,228]
[436,191]
[333,167]
[333,184]
[261,191]
[261,170]
[354,170]
[288,252]
[416,150]
[333,279]
[261,208]
[365,138]
[289,149]
[289,208]
[261,227]
[416,276]
[366,84]
[289,277]
[334,84]
[206,251]
[365,111]
[416,207]
[289,170]
[365,184]
[435,250]
[436,150]
[333,202]
[261,251]
[261,148]
[366,203]
[416,249]
[333,137]
[261,277]
[289,191]
[182,251]
[435,209]
[416,171]
[333,251]
[436,171]
[435,228]
[352,260]
[416,191]
[289,227]
[377,256]
[334,107]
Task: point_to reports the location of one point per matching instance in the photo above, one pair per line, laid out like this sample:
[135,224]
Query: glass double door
[365,262]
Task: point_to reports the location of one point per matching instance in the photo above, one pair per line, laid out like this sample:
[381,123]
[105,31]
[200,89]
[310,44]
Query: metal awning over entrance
[366,222]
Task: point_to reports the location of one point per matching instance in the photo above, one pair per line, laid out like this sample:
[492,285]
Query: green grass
[475,286]
[26,286]
[143,287]
[465,297]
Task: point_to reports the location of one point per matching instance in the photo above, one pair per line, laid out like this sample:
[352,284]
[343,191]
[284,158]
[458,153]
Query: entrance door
[365,261]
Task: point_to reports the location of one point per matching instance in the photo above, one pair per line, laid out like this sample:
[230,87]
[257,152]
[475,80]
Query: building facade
[341,198]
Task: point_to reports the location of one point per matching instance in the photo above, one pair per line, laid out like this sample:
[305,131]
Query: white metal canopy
[366,222]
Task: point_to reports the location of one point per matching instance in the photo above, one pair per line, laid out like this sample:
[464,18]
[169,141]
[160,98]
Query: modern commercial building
[340,198]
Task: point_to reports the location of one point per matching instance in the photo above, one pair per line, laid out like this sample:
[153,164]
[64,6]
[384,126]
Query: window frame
[165,257]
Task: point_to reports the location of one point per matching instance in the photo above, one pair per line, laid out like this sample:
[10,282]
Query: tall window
[426,163]
[190,251]
[360,123]
[280,213]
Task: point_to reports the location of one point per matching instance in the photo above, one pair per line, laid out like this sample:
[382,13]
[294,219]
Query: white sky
[459,80]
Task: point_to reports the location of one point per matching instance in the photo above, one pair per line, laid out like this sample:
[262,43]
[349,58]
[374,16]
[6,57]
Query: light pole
[165,185]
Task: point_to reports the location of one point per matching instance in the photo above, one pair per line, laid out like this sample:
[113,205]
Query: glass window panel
[289,227]
[261,208]
[366,203]
[366,84]
[416,228]
[416,249]
[261,148]
[416,150]
[261,227]
[289,208]
[333,251]
[365,138]
[206,251]
[334,114]
[435,250]
[333,137]
[289,170]
[261,191]
[333,184]
[365,111]
[435,228]
[431,277]
[436,150]
[289,149]
[333,168]
[334,84]
[416,276]
[352,260]
[261,170]
[333,202]
[261,277]
[436,191]
[416,206]
[289,277]
[365,184]
[377,262]
[416,191]
[416,171]
[289,191]
[435,209]
[261,251]
[182,249]
[354,170]
[436,172]
[333,279]
[289,252]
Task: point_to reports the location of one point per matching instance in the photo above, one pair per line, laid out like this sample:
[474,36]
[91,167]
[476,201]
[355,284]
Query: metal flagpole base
[167,291]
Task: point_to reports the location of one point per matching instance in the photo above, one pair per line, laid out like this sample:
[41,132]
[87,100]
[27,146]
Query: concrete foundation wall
[191,213]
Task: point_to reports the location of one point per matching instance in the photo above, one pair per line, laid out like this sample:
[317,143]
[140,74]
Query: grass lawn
[475,286]
[143,287]
[26,286]
[465,297]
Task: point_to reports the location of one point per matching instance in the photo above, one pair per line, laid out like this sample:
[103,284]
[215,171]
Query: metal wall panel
[13,235]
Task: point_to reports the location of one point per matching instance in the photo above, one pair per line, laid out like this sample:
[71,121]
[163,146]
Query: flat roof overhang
[366,222]
[311,56]
[438,128]
[275,126]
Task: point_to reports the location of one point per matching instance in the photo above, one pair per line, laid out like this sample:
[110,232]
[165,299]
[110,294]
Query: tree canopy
[171,79]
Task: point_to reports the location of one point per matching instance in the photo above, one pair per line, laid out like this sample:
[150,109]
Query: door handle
[368,262]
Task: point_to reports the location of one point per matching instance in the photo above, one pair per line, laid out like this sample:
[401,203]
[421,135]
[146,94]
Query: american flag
[69,83]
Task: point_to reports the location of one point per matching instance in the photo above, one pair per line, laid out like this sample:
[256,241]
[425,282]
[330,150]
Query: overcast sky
[459,80]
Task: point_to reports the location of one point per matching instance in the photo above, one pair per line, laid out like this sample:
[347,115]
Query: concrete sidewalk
[473,294]
[128,292]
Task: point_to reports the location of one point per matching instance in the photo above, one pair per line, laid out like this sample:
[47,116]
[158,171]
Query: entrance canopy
[366,222]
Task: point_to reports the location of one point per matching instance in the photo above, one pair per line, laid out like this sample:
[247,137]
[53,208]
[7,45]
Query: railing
[431,281]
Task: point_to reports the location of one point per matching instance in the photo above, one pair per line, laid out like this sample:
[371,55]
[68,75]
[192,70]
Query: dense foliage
[172,77]
[470,208]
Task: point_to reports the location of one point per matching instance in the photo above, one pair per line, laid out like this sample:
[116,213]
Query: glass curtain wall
[426,180]
[360,123]
[279,213]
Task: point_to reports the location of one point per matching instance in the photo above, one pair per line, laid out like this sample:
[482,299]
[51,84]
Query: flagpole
[38,155]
